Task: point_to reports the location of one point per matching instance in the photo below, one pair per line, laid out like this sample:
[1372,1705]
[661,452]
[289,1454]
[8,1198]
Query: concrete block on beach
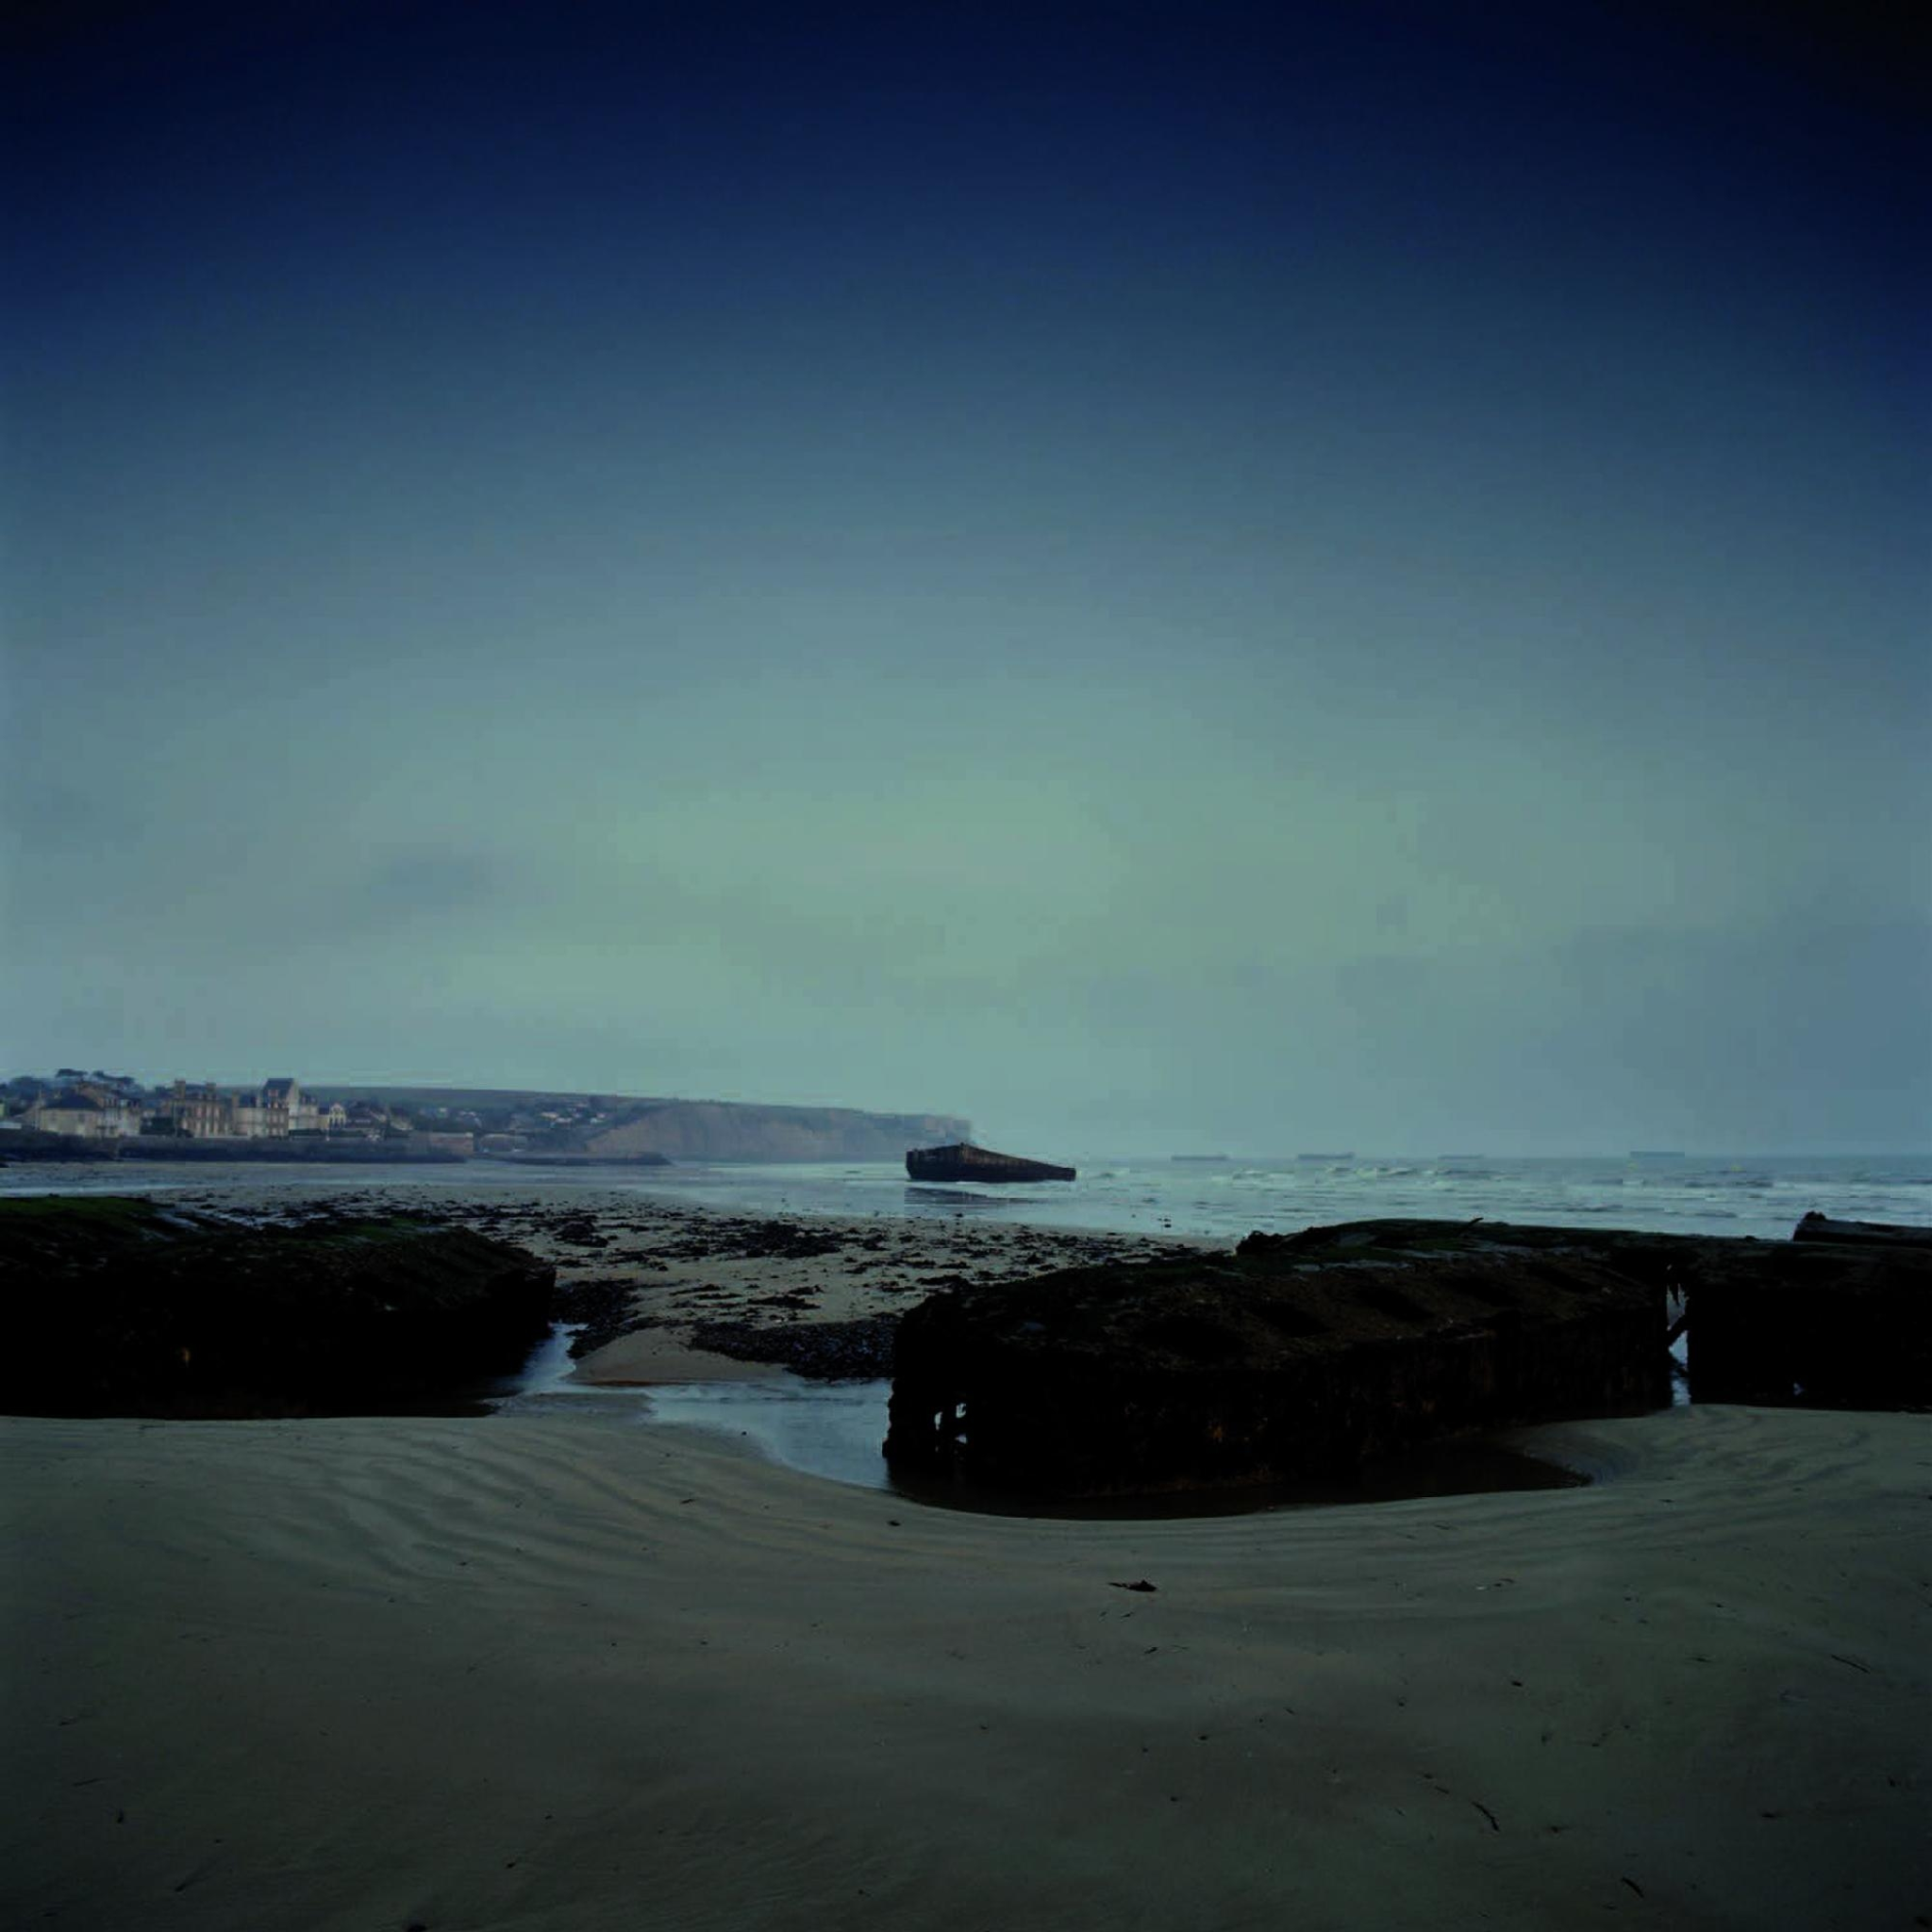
[121,1307]
[1288,1357]
[1307,1354]
[1840,1316]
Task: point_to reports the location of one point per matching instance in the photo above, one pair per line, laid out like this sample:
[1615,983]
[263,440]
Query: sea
[1219,1200]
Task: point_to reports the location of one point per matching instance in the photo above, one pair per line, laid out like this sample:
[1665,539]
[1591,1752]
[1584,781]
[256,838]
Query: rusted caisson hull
[962,1161]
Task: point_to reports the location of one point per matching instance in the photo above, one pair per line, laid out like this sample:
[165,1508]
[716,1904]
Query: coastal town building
[273,1111]
[200,1112]
[85,1115]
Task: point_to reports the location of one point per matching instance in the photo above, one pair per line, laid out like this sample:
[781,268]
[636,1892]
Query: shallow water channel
[834,1431]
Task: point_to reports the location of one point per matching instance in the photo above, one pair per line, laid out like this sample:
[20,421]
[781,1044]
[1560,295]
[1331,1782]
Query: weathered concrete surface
[1884,1234]
[1839,1315]
[1286,1358]
[962,1161]
[120,1306]
[1839,1325]
[1304,1353]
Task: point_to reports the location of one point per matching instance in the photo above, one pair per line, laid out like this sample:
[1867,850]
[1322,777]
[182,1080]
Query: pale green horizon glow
[1394,617]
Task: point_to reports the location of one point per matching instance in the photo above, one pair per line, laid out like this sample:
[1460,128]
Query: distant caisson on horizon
[962,1161]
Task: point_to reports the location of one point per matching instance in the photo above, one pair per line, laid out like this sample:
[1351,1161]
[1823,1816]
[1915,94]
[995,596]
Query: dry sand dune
[579,1673]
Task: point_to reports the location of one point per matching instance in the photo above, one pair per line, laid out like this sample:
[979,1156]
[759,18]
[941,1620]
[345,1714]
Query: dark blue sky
[1145,574]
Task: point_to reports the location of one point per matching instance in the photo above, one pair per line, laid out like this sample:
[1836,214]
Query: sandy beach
[585,1672]
[576,1669]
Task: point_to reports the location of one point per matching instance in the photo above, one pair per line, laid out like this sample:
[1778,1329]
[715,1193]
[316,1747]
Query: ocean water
[1731,1195]
[1734,1195]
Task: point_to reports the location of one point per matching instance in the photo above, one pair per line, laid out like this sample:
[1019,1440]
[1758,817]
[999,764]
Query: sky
[1165,578]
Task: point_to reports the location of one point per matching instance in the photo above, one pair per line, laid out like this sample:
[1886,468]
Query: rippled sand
[576,1672]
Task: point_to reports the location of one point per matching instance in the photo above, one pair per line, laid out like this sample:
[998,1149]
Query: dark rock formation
[123,1308]
[859,1350]
[600,1310]
[962,1161]
[1283,1359]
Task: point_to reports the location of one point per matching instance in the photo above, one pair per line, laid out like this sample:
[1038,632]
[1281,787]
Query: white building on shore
[273,1111]
[86,1116]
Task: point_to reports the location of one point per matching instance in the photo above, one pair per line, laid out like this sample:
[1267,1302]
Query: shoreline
[1223,1205]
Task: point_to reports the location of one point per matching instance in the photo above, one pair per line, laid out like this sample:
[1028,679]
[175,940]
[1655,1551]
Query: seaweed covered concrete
[121,1307]
[1286,1358]
[1306,1353]
[1826,1322]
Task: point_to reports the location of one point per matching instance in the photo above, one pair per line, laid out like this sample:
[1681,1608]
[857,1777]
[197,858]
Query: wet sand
[583,1674]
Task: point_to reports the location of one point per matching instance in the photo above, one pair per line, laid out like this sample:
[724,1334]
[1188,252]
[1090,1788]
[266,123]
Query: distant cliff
[624,1126]
[725,1131]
